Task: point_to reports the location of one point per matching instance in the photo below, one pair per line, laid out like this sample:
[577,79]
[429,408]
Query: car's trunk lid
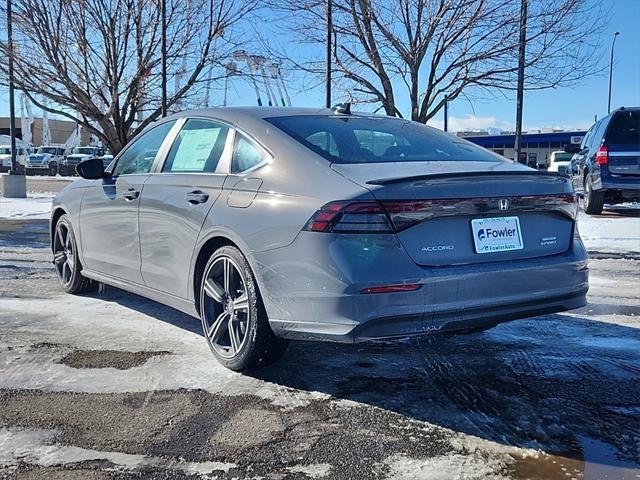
[455,205]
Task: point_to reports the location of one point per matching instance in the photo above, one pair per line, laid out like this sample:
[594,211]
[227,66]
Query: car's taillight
[405,213]
[602,156]
[350,217]
[389,216]
[370,216]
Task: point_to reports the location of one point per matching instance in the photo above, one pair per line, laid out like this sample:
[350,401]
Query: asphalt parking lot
[110,385]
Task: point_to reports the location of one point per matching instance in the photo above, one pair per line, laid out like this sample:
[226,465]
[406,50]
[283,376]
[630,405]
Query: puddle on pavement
[108,359]
[600,463]
[24,233]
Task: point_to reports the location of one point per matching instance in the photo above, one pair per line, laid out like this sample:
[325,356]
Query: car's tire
[592,201]
[53,169]
[65,258]
[230,304]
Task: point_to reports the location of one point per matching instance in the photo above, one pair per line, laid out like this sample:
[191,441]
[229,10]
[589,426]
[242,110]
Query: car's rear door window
[624,129]
[369,139]
[197,148]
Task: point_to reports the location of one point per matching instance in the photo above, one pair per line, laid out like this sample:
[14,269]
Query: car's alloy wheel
[227,313]
[234,321]
[65,258]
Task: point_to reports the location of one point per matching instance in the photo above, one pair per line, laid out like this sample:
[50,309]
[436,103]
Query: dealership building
[60,130]
[535,145]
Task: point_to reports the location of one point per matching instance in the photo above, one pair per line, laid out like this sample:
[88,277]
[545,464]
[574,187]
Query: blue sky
[563,107]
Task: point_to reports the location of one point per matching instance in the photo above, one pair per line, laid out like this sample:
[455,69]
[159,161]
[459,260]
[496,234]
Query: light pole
[520,95]
[613,44]
[14,185]
[12,107]
[163,52]
[446,113]
[328,59]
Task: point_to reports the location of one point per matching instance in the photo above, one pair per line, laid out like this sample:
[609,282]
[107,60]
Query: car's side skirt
[144,291]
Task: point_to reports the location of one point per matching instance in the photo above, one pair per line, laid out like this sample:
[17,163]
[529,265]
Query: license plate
[500,234]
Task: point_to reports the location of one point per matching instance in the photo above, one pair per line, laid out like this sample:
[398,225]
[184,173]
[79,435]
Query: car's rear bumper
[619,188]
[608,181]
[428,323]
[313,296]
[33,169]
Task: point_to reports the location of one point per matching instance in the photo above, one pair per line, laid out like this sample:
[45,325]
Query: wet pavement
[115,386]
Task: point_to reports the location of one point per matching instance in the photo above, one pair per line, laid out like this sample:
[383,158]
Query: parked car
[560,161]
[606,168]
[78,154]
[46,160]
[107,158]
[5,157]
[271,224]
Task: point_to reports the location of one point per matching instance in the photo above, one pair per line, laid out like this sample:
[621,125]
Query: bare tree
[98,61]
[431,50]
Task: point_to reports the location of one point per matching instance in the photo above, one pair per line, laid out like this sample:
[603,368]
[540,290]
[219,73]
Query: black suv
[606,167]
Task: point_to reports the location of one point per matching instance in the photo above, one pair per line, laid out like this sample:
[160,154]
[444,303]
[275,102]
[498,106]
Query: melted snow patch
[35,447]
[446,467]
[316,470]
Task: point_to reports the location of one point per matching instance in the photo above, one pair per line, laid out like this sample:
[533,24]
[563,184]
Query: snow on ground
[34,207]
[618,232]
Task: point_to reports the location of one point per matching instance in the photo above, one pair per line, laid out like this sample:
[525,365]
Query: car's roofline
[234,113]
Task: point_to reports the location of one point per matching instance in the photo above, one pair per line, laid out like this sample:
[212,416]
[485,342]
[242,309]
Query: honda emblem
[503,204]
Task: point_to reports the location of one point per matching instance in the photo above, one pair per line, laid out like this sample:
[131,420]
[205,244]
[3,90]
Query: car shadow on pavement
[622,210]
[550,383]
[148,307]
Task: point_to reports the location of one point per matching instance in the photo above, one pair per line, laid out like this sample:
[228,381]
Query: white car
[560,161]
[5,157]
[46,160]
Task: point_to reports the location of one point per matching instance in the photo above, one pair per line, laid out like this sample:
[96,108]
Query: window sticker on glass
[195,149]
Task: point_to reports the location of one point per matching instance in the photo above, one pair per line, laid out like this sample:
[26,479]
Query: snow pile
[34,207]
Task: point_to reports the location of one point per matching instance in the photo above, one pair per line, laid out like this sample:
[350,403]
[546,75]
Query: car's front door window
[140,155]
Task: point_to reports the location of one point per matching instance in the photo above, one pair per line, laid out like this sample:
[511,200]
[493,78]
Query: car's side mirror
[92,169]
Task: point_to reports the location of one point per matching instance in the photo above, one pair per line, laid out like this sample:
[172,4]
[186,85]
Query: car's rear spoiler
[436,176]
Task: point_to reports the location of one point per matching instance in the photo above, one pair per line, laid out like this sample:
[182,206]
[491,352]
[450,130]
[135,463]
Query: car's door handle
[131,194]
[196,197]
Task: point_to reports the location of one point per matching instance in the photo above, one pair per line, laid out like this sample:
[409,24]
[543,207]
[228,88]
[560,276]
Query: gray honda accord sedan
[270,224]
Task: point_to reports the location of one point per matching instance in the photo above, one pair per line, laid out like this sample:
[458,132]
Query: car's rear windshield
[624,129]
[360,139]
[563,157]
